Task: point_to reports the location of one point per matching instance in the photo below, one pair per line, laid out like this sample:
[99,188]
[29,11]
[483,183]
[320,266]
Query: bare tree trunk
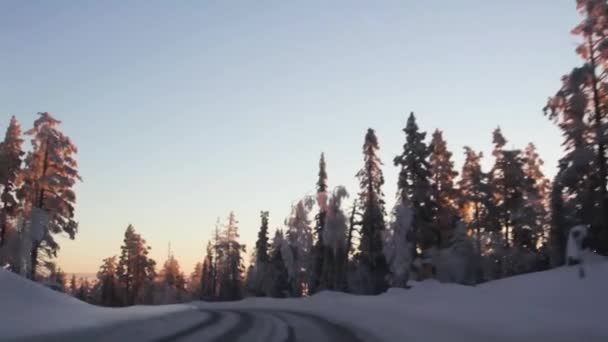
[34,259]
[351,229]
[40,205]
[3,219]
[478,227]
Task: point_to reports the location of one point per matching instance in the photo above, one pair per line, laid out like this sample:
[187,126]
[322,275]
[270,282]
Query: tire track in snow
[214,318]
[300,328]
[291,335]
[244,325]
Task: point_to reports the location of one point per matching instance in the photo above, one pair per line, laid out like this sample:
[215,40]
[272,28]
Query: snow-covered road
[262,325]
[222,325]
[555,306]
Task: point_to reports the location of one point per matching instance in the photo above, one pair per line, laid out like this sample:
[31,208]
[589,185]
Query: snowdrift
[28,309]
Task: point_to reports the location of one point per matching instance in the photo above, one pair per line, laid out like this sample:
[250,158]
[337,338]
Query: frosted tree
[135,270]
[257,276]
[474,195]
[536,196]
[442,185]
[415,184]
[107,283]
[230,267]
[11,154]
[208,275]
[318,251]
[299,240]
[49,177]
[508,185]
[261,245]
[442,172]
[371,263]
[579,189]
[399,243]
[278,286]
[458,263]
[171,283]
[335,242]
[194,281]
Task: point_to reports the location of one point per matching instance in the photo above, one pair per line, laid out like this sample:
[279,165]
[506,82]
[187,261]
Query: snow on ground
[555,305]
[30,309]
[548,306]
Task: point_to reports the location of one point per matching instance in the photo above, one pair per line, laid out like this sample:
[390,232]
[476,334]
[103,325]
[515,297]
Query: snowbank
[29,309]
[548,306]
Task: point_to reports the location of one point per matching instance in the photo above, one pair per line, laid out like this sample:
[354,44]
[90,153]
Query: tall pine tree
[107,283]
[318,251]
[261,245]
[299,241]
[415,185]
[135,269]
[508,185]
[279,275]
[230,264]
[11,154]
[442,185]
[372,264]
[49,178]
[536,193]
[335,242]
[208,275]
[579,188]
[474,199]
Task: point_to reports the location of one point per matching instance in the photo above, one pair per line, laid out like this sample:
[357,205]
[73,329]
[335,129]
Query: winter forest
[466,226]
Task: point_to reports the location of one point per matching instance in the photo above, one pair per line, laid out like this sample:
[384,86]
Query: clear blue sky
[185,110]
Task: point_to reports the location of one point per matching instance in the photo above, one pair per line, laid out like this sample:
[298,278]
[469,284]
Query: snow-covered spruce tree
[299,240]
[415,185]
[577,108]
[194,282]
[371,263]
[536,195]
[49,177]
[261,245]
[256,276]
[107,288]
[442,184]
[459,263]
[73,286]
[208,275]
[278,283]
[474,195]
[171,287]
[135,270]
[335,242]
[230,266]
[508,183]
[318,251]
[576,195]
[11,154]
[398,244]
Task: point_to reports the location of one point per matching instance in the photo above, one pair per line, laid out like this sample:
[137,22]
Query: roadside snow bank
[547,306]
[29,309]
